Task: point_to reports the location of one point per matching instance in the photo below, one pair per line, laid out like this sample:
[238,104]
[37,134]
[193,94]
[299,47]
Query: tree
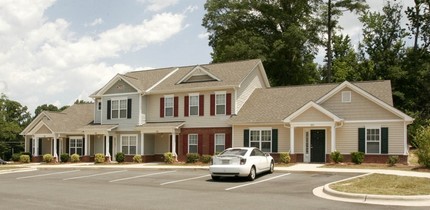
[333,10]
[345,60]
[419,18]
[283,34]
[13,119]
[45,107]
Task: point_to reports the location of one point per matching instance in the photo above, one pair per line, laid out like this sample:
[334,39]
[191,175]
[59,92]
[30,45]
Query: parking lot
[164,189]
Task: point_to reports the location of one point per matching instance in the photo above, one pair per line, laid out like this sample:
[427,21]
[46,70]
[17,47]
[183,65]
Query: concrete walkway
[323,191]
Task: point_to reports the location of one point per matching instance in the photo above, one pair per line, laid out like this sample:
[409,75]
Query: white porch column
[107,146]
[333,138]
[142,140]
[25,143]
[174,145]
[292,139]
[55,148]
[87,145]
[36,146]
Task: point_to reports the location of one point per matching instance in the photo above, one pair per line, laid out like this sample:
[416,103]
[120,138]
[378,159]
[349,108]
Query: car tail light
[242,161]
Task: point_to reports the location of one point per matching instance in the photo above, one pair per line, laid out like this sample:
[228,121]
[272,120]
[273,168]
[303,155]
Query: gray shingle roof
[272,105]
[71,119]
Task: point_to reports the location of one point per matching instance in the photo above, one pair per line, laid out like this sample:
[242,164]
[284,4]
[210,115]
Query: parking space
[185,188]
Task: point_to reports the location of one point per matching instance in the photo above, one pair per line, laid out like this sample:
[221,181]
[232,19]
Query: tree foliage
[283,34]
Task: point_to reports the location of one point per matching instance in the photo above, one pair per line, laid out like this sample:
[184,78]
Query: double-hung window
[220,103]
[194,105]
[373,140]
[192,143]
[168,106]
[261,139]
[129,144]
[219,142]
[119,108]
[76,145]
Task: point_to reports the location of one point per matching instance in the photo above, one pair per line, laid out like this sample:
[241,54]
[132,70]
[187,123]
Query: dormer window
[346,96]
[198,74]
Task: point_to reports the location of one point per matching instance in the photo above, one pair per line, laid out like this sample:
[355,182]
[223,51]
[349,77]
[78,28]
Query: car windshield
[234,152]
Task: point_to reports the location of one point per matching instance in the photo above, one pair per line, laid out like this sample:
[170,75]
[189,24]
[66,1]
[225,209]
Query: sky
[54,52]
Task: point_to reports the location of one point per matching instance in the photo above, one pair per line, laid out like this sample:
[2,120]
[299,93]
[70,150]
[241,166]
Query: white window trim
[365,138]
[189,104]
[76,138]
[197,144]
[260,130]
[225,102]
[173,105]
[128,140]
[215,144]
[344,94]
[119,107]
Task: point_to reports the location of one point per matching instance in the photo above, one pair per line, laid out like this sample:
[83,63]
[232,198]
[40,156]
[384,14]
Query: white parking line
[64,172]
[11,171]
[183,180]
[244,185]
[80,177]
[145,175]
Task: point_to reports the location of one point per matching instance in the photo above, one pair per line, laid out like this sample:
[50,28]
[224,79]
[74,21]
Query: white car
[241,162]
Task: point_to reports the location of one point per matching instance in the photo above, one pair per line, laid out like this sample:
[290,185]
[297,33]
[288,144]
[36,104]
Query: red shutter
[186,105]
[162,107]
[212,104]
[211,144]
[175,106]
[185,144]
[228,140]
[228,104]
[201,105]
[200,144]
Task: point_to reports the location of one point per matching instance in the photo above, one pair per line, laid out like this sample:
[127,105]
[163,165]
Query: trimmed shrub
[120,157]
[284,157]
[24,158]
[75,158]
[137,159]
[357,157]
[47,158]
[205,158]
[99,158]
[422,140]
[192,157]
[64,157]
[392,160]
[169,158]
[15,157]
[336,157]
[26,153]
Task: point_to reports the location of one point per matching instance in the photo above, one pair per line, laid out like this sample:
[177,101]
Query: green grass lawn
[381,184]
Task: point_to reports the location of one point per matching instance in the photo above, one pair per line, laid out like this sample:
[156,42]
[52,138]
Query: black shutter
[361,140]
[83,147]
[108,109]
[40,147]
[246,138]
[67,146]
[31,147]
[129,108]
[274,140]
[384,140]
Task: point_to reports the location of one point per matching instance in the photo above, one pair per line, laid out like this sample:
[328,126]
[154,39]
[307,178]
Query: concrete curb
[410,200]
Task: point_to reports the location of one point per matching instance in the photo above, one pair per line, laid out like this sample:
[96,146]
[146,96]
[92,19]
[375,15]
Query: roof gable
[365,94]
[118,82]
[311,105]
[198,74]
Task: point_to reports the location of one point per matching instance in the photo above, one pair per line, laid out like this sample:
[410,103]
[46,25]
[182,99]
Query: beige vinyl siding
[120,87]
[148,146]
[253,81]
[283,136]
[153,111]
[360,108]
[298,140]
[43,130]
[46,146]
[347,137]
[161,144]
[312,115]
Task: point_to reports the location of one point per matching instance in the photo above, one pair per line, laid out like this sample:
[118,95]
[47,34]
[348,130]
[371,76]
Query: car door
[261,160]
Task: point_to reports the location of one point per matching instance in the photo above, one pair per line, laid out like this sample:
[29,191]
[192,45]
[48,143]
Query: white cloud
[157,5]
[43,61]
[97,21]
[204,35]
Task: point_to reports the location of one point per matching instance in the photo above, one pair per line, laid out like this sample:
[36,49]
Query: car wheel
[252,174]
[215,178]
[272,167]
